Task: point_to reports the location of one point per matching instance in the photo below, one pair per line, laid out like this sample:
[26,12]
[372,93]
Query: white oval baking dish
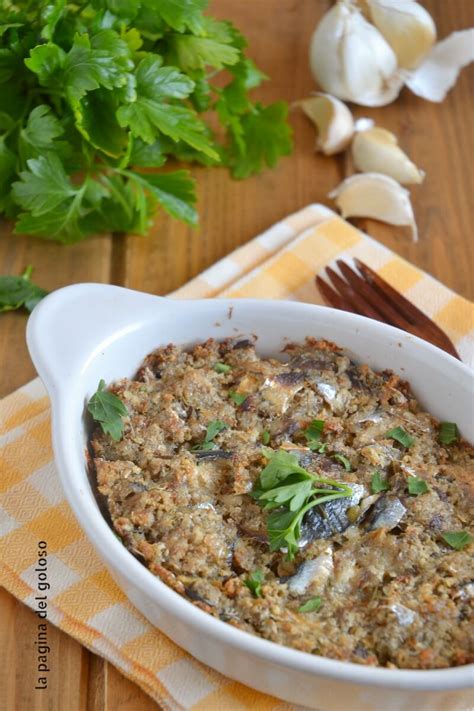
[85,332]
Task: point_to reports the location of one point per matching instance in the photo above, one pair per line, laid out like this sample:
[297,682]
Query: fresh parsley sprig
[108,410]
[291,490]
[18,291]
[93,93]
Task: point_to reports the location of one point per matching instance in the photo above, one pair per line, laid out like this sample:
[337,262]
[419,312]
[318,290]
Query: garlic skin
[407,26]
[376,151]
[439,71]
[363,123]
[333,120]
[350,58]
[377,196]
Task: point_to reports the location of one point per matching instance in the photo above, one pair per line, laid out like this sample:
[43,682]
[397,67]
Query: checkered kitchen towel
[83,600]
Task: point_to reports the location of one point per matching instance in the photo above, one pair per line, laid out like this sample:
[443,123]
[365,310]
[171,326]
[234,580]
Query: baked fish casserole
[308,500]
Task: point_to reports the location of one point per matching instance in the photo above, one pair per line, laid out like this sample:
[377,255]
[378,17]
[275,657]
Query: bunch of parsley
[94,94]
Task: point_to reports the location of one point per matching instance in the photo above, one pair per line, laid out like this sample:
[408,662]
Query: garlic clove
[387,94]
[333,120]
[440,69]
[376,150]
[324,53]
[377,196]
[351,60]
[407,27]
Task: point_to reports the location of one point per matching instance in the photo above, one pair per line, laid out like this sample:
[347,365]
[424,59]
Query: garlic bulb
[377,196]
[350,58]
[333,120]
[407,27]
[368,58]
[376,150]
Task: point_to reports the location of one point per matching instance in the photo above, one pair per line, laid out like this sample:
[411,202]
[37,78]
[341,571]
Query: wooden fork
[366,293]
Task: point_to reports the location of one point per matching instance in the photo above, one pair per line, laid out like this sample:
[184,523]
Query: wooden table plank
[54,266]
[439,137]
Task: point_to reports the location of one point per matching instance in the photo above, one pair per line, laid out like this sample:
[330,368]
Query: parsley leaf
[311,605]
[378,484]
[222,367]
[198,52]
[264,138]
[20,291]
[283,531]
[399,434]
[254,582]
[457,539]
[157,82]
[7,173]
[174,192]
[315,430]
[238,398]
[108,410]
[61,223]
[313,436]
[294,495]
[149,115]
[53,206]
[182,14]
[47,61]
[448,432]
[280,465]
[417,486]
[52,13]
[42,127]
[147,119]
[213,429]
[265,436]
[148,155]
[86,69]
[43,186]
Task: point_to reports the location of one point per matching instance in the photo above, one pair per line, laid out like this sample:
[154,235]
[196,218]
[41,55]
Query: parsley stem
[332,482]
[117,194]
[322,500]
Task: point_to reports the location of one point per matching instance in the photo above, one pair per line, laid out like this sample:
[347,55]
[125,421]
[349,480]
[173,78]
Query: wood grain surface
[439,138]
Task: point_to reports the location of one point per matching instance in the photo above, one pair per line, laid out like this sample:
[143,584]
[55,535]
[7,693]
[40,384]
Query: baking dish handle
[69,322]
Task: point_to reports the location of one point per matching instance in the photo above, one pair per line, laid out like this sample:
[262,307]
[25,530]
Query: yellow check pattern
[83,599]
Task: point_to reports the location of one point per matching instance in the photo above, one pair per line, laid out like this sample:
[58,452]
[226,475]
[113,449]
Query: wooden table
[439,137]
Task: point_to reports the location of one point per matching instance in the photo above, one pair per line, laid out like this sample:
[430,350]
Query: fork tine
[367,292]
[409,310]
[348,293]
[332,297]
